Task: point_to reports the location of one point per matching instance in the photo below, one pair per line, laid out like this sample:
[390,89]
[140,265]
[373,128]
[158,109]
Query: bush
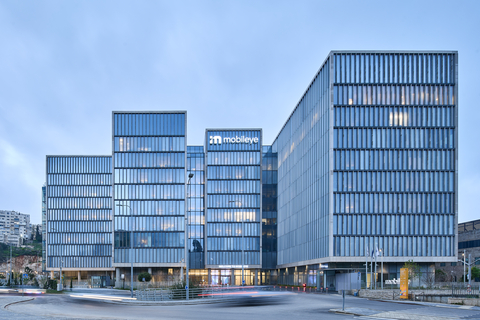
[144,275]
[52,284]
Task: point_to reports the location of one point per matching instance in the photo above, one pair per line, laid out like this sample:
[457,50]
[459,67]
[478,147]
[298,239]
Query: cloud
[17,162]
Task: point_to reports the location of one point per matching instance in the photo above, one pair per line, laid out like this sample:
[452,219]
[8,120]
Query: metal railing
[465,291]
[154,294]
[298,289]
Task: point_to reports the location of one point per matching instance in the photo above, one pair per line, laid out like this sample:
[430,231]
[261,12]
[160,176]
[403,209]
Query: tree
[413,269]
[475,272]
[440,275]
[38,236]
[145,275]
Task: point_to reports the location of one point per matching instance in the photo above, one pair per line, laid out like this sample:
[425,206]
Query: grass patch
[54,291]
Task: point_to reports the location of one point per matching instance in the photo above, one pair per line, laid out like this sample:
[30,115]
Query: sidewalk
[413,310]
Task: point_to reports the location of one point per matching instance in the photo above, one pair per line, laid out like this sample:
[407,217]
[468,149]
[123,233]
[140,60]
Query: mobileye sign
[236,139]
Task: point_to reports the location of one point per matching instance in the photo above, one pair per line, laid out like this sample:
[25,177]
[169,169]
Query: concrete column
[79,276]
[117,278]
[209,277]
[52,276]
[233,277]
[150,270]
[181,274]
[255,281]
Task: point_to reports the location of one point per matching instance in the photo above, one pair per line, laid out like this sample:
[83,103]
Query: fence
[465,291]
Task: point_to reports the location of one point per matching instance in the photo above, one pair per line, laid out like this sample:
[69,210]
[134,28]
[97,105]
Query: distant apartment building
[14,227]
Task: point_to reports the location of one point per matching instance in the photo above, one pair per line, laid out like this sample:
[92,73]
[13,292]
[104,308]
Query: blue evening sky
[65,65]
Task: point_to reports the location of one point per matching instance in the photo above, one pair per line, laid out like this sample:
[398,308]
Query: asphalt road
[299,306]
[63,306]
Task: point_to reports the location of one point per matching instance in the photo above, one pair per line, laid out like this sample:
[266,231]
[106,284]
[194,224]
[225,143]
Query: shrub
[144,275]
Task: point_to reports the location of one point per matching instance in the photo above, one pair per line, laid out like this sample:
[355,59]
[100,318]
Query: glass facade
[79,212]
[394,154]
[233,198]
[303,175]
[196,206]
[366,160]
[269,208]
[149,155]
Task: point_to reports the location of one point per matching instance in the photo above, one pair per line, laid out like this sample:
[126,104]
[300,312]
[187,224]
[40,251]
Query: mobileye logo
[237,139]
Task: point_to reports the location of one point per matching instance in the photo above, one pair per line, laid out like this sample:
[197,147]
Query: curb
[15,302]
[346,312]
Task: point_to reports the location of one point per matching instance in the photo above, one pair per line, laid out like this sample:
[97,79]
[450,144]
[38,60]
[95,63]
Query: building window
[454,264]
[442,264]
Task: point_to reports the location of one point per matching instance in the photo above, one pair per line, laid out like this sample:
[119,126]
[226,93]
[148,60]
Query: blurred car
[255,298]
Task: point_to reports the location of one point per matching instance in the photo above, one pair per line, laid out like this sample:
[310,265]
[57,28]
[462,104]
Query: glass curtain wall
[303,175]
[233,195]
[394,154]
[79,212]
[149,187]
[269,208]
[196,207]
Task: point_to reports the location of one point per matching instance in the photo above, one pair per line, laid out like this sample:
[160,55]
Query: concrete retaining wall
[388,294]
[464,301]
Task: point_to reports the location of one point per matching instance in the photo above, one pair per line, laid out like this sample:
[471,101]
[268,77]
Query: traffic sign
[243,281]
[186,287]
[25,275]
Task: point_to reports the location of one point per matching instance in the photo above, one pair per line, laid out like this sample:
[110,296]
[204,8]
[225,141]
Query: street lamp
[381,258]
[243,244]
[469,264]
[61,264]
[187,251]
[10,276]
[131,247]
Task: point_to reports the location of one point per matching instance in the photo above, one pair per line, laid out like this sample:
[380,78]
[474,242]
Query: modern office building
[79,217]
[366,163]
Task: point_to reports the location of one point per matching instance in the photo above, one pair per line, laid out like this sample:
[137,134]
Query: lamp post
[243,244]
[131,247]
[187,251]
[469,264]
[381,270]
[11,284]
[61,264]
